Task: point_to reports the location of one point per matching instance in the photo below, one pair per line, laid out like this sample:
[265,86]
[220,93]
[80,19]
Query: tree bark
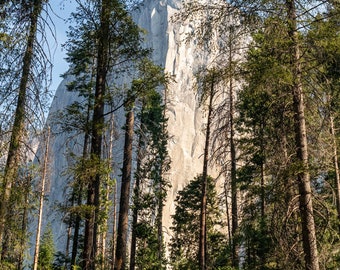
[13,157]
[114,220]
[234,207]
[79,194]
[93,193]
[122,232]
[336,166]
[41,203]
[202,251]
[136,203]
[303,177]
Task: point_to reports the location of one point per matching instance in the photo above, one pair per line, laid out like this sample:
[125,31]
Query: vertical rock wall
[186,121]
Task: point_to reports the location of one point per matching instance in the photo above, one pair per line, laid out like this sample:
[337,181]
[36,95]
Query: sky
[61,12]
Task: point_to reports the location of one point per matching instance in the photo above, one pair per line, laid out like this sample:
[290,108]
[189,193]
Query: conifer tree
[222,35]
[208,92]
[142,87]
[323,47]
[109,41]
[25,72]
[46,251]
[263,106]
[150,184]
[186,226]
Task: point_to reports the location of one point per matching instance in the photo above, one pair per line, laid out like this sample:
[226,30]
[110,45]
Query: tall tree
[323,47]
[221,35]
[123,219]
[93,191]
[303,177]
[207,89]
[41,202]
[186,226]
[111,40]
[152,163]
[149,77]
[264,121]
[24,22]
[294,19]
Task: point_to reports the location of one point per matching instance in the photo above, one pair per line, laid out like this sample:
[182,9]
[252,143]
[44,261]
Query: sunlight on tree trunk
[41,203]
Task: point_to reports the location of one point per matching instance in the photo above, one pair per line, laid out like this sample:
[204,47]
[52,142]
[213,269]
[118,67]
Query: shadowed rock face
[185,125]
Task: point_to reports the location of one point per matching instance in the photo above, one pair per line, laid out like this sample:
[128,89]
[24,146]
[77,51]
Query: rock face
[186,120]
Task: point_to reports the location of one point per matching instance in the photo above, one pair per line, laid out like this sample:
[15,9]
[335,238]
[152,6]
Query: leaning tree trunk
[93,193]
[13,157]
[202,251]
[234,207]
[136,196]
[303,177]
[41,203]
[122,232]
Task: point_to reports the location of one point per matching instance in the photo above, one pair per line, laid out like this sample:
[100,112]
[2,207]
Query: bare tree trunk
[121,249]
[13,157]
[114,217]
[303,177]
[159,218]
[23,246]
[202,251]
[41,203]
[336,167]
[226,193]
[160,226]
[68,241]
[108,191]
[234,193]
[136,205]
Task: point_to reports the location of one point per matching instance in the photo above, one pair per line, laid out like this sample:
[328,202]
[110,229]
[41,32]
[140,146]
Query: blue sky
[62,10]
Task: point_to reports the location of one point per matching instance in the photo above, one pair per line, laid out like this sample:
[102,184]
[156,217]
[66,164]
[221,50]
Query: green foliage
[269,167]
[148,252]
[47,250]
[186,224]
[153,163]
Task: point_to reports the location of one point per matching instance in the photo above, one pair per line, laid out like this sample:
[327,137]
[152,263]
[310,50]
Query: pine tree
[46,252]
[150,183]
[94,55]
[25,72]
[143,86]
[264,110]
[184,243]
[208,93]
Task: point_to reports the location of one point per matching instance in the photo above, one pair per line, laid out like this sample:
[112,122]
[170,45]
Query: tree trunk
[159,218]
[77,223]
[93,193]
[13,157]
[23,246]
[122,233]
[114,219]
[41,203]
[202,251]
[79,191]
[303,177]
[234,207]
[136,204]
[160,225]
[105,261]
[336,167]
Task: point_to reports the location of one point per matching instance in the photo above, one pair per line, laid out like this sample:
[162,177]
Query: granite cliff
[181,57]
